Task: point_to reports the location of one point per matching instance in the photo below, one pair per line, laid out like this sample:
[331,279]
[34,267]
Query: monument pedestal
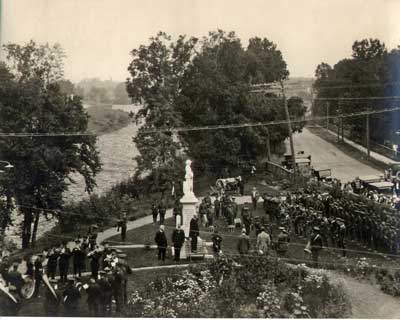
[189,203]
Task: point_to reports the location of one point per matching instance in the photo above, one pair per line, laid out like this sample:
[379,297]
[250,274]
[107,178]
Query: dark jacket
[243,244]
[161,239]
[63,260]
[316,242]
[15,278]
[282,242]
[178,238]
[71,297]
[94,294]
[38,270]
[78,256]
[52,260]
[194,228]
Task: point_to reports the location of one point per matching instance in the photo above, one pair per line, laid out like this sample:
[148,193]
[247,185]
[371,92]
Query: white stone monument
[189,202]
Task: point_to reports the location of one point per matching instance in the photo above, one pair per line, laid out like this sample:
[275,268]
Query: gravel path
[367,300]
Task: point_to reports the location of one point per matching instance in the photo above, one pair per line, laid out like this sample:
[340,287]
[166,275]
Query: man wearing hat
[194,232]
[316,245]
[94,297]
[95,256]
[71,297]
[14,280]
[341,235]
[243,245]
[162,243]
[282,242]
[63,262]
[105,290]
[216,240]
[52,257]
[78,258]
[162,209]
[263,241]
[123,225]
[38,273]
[178,238]
[254,197]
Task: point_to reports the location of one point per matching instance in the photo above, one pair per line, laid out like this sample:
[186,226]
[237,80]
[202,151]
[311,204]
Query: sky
[98,35]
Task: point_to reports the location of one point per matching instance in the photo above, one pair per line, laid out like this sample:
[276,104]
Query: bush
[238,287]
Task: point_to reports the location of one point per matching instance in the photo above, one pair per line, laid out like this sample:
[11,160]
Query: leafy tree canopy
[371,72]
[196,82]
[32,101]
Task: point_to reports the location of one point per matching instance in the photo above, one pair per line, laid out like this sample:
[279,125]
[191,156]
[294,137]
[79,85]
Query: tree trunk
[35,227]
[26,229]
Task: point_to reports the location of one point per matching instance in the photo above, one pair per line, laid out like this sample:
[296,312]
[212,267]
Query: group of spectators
[107,283]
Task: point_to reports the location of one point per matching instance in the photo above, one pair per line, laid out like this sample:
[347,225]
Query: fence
[278,170]
[374,146]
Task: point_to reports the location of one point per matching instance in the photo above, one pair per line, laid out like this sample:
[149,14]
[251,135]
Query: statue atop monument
[188,183]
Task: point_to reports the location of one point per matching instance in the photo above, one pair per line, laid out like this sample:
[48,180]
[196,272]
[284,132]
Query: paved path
[325,155]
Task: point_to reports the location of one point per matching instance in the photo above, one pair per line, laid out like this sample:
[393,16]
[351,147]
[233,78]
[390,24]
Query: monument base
[189,203]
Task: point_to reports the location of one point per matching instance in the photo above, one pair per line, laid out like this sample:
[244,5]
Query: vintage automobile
[392,173]
[367,179]
[322,174]
[385,188]
[228,184]
[303,163]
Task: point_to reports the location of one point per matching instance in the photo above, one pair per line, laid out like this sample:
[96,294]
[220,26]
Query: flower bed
[253,287]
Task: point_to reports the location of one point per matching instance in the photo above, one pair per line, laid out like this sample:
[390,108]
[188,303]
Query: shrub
[269,301]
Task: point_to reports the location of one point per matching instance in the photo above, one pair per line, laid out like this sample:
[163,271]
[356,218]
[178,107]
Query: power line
[271,123]
[357,98]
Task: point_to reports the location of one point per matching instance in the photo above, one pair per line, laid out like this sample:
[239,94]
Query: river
[117,151]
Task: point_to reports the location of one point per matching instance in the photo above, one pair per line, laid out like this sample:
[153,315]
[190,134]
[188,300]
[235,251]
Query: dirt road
[325,155]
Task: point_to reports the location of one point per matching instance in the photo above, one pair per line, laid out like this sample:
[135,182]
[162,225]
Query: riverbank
[105,119]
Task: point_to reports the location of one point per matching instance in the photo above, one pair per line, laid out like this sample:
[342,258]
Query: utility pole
[290,131]
[367,134]
[327,115]
[268,144]
[342,125]
[338,129]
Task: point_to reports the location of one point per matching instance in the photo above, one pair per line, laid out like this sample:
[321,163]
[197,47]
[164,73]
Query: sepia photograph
[200,159]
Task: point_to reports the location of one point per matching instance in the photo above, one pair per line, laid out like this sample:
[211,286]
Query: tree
[365,75]
[34,61]
[156,79]
[120,94]
[199,83]
[66,87]
[31,101]
[216,91]
[265,62]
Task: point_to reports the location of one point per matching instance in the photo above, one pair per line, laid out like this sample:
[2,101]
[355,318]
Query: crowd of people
[325,218]
[105,288]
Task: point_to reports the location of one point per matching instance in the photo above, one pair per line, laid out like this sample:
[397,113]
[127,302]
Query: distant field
[103,119]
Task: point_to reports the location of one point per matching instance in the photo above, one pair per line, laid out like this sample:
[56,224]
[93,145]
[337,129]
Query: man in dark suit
[52,257]
[178,238]
[63,262]
[162,243]
[316,245]
[194,232]
[78,257]
[243,245]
